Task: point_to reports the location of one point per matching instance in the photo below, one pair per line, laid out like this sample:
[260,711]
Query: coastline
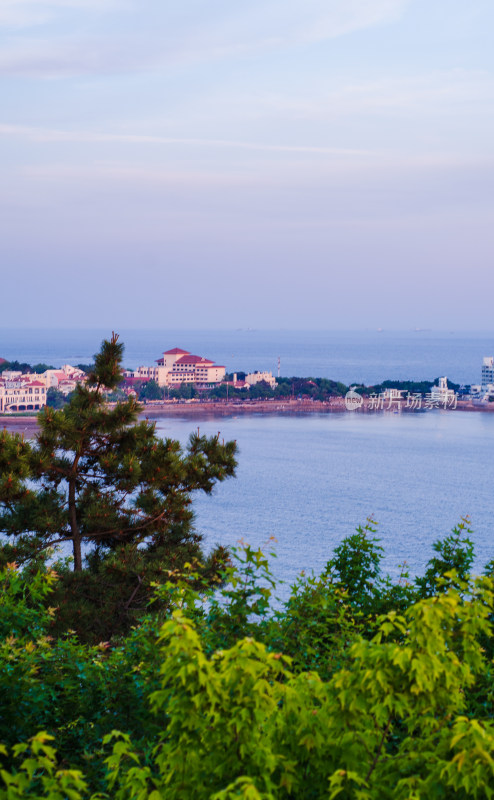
[27,424]
[288,407]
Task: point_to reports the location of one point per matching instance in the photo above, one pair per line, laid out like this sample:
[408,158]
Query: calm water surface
[310,480]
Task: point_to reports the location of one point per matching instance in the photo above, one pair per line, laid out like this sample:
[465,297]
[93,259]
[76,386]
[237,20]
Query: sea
[305,482]
[349,356]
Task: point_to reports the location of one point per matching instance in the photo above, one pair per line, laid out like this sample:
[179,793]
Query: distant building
[11,375]
[238,384]
[259,377]
[64,379]
[27,391]
[487,371]
[21,395]
[441,393]
[179,366]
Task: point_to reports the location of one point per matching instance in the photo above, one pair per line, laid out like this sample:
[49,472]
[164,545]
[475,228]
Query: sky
[270,164]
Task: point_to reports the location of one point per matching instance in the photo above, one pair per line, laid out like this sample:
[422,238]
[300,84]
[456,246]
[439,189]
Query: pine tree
[97,478]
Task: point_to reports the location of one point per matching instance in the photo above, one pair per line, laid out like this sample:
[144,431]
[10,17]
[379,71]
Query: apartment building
[22,395]
[487,371]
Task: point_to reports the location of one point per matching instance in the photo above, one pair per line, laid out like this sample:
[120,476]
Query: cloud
[209,161]
[89,137]
[205,165]
[433,93]
[165,37]
[44,58]
[318,20]
[26,13]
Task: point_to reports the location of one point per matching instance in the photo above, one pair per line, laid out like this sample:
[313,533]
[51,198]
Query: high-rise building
[487,371]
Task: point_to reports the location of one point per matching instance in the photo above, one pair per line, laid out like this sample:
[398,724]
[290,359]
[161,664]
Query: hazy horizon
[258,329]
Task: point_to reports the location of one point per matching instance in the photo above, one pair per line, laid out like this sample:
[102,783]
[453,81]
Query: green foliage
[186,391]
[55,398]
[240,376]
[389,725]
[99,479]
[116,395]
[22,611]
[77,693]
[260,391]
[242,606]
[220,392]
[320,698]
[412,387]
[316,626]
[36,774]
[282,390]
[16,366]
[455,555]
[151,391]
[356,564]
[40,368]
[315,388]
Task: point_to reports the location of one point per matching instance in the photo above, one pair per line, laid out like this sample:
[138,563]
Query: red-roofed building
[190,359]
[22,395]
[169,357]
[28,391]
[179,366]
[175,352]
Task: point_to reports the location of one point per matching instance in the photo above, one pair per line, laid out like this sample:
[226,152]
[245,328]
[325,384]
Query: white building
[487,371]
[258,377]
[441,393]
[63,377]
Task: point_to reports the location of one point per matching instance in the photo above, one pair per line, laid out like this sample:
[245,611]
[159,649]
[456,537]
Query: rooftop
[190,359]
[175,352]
